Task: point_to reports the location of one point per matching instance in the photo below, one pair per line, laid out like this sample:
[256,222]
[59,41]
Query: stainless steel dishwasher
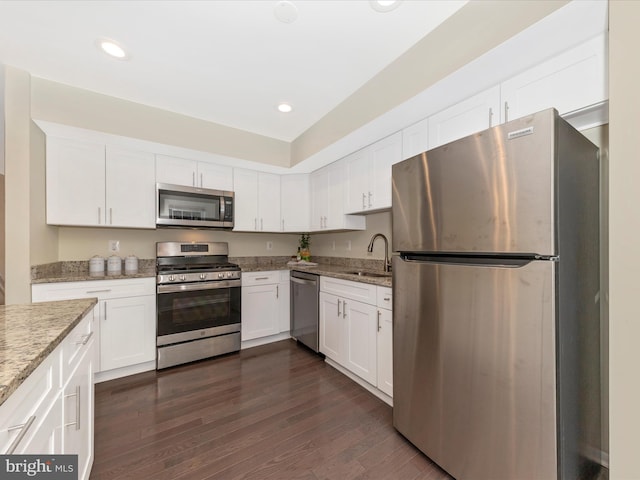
[305,289]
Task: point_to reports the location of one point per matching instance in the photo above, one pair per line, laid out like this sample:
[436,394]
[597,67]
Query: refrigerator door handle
[477,261]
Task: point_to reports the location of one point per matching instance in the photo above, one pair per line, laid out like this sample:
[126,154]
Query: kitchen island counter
[28,333]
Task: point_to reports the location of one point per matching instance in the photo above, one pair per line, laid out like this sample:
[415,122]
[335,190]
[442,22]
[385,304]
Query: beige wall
[60,103]
[624,235]
[18,182]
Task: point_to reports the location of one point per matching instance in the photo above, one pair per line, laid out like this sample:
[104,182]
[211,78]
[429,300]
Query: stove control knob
[221,275]
[183,278]
[203,276]
[229,274]
[172,278]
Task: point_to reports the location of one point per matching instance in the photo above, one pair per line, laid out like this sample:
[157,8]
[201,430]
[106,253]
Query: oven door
[192,311]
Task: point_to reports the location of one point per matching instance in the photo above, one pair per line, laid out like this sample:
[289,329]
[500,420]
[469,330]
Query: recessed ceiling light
[384,5]
[284,107]
[112,48]
[286,12]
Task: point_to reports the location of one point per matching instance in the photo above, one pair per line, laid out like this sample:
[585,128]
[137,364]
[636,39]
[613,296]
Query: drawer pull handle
[262,278]
[24,428]
[386,299]
[379,313]
[85,339]
[344,309]
[99,291]
[77,395]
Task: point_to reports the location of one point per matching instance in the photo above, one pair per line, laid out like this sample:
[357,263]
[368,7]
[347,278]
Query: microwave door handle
[222,209]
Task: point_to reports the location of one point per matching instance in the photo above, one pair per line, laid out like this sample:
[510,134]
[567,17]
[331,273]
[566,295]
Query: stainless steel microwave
[192,207]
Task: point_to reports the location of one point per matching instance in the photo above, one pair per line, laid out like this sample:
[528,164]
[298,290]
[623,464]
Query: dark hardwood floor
[271,412]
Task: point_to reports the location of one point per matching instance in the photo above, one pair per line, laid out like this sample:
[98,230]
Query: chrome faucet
[387,262]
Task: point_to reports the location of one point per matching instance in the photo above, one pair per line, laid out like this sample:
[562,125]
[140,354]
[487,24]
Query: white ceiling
[225,61]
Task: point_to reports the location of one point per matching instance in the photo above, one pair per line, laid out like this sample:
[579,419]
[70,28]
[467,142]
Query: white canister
[114,265]
[131,264]
[96,266]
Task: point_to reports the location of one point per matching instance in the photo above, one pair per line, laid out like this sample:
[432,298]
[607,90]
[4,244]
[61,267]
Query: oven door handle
[190,287]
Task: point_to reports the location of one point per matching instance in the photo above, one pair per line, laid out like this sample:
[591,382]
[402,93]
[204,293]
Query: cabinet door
[362,332]
[385,351]
[560,82]
[464,118]
[130,189]
[78,415]
[335,196]
[383,155]
[268,202]
[217,177]
[75,182]
[245,186]
[332,327]
[127,332]
[319,198]
[415,139]
[295,208]
[179,171]
[357,192]
[260,310]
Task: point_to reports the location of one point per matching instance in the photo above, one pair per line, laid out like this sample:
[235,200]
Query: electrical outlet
[269,245]
[114,246]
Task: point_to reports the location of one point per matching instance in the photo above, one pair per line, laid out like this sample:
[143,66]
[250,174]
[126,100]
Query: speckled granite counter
[336,267]
[78,271]
[28,333]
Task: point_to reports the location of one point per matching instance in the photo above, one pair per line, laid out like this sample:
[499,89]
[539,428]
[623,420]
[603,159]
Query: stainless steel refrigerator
[496,332]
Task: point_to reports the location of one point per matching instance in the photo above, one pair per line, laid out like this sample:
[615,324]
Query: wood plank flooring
[274,412]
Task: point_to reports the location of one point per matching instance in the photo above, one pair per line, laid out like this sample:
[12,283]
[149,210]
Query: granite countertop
[28,333]
[78,271]
[341,271]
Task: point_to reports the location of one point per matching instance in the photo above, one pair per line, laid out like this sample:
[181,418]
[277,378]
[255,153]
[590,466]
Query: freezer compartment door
[474,367]
[492,192]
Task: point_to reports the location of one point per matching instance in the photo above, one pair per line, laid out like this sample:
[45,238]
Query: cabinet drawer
[385,298]
[260,278]
[102,289]
[29,404]
[76,344]
[362,292]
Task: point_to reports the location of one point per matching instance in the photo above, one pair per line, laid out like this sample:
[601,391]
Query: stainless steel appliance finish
[496,315]
[198,302]
[305,290]
[181,206]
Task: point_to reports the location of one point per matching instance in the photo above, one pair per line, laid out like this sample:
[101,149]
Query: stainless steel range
[198,302]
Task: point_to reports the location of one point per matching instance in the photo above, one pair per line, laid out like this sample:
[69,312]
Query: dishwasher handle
[302,281]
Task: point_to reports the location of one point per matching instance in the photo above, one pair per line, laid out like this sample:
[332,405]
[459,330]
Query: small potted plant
[305,242]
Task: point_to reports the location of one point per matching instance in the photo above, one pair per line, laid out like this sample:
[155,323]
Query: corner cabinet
[355,334]
[90,184]
[126,321]
[368,175]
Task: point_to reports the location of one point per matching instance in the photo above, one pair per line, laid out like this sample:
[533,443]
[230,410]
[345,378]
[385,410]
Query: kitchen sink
[364,273]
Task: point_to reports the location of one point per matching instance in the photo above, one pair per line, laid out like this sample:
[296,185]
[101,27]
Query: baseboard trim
[366,385]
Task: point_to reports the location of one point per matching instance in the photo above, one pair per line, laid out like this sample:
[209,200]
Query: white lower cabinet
[52,411]
[265,304]
[353,332]
[126,328]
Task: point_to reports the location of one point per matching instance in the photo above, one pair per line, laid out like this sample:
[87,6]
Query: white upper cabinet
[75,182]
[368,175]
[295,208]
[191,173]
[568,82]
[415,139]
[328,200]
[130,196]
[472,115]
[93,185]
[257,201]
